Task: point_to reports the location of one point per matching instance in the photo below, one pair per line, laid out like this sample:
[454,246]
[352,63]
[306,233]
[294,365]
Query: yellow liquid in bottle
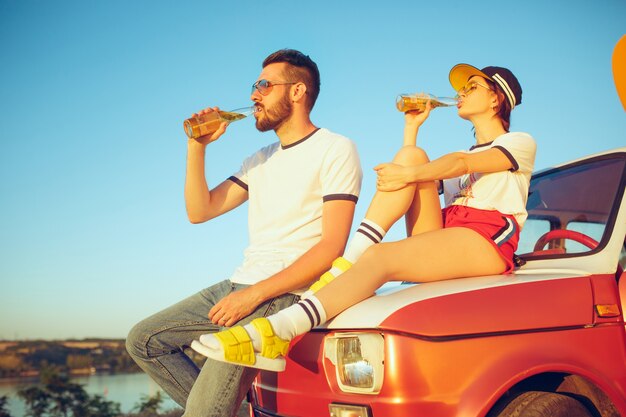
[231,117]
[207,124]
[408,103]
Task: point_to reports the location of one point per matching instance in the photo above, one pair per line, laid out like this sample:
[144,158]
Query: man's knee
[137,340]
[411,155]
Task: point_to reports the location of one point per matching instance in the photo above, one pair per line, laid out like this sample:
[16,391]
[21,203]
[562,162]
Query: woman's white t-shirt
[505,191]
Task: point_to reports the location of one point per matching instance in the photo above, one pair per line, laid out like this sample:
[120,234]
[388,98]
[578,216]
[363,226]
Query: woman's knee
[411,155]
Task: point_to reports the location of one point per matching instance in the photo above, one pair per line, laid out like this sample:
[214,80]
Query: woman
[485,188]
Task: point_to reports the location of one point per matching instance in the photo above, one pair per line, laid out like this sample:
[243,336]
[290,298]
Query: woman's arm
[393,177]
[412,121]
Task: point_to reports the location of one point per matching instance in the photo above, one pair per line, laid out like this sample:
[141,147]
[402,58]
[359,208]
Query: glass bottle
[207,123]
[408,102]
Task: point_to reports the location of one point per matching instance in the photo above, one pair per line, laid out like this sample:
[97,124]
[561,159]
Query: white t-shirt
[505,191]
[287,187]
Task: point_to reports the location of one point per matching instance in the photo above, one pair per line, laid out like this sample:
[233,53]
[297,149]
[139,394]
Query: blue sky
[93,231]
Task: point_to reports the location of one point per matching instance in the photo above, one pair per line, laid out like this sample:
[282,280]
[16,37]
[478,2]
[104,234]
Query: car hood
[467,306]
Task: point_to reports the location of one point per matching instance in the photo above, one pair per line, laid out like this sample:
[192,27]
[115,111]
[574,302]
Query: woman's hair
[503,111]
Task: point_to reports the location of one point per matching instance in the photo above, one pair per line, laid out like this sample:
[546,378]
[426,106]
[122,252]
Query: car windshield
[572,209]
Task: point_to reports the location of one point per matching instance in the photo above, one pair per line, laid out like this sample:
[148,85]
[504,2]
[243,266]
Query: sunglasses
[264,87]
[470,87]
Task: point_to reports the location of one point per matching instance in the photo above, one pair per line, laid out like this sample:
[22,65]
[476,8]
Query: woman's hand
[415,118]
[392,177]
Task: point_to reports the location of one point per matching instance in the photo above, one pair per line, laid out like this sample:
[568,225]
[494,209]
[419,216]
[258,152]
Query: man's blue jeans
[157,344]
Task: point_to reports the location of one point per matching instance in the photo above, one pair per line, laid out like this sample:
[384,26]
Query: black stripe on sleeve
[440,187]
[238,182]
[508,155]
[332,197]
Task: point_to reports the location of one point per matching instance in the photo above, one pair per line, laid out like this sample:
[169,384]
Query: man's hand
[235,306]
[206,139]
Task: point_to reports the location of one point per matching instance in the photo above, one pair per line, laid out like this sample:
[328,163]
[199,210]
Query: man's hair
[300,68]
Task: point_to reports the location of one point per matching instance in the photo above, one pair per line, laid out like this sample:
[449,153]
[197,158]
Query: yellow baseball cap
[504,78]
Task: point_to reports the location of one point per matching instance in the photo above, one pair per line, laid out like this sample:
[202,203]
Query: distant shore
[75,358]
[23,360]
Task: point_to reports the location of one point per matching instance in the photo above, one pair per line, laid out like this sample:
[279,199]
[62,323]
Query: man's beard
[273,118]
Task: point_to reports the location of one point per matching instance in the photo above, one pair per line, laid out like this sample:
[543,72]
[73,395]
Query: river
[126,389]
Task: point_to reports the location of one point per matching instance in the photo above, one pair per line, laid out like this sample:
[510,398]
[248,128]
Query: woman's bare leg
[424,213]
[420,202]
[431,256]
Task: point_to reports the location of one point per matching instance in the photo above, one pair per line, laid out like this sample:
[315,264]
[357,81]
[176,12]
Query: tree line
[28,358]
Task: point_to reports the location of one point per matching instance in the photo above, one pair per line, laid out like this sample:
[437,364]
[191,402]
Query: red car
[548,340]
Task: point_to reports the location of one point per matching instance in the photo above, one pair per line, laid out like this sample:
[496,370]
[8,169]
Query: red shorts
[501,230]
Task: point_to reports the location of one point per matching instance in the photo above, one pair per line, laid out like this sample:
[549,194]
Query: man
[302,192]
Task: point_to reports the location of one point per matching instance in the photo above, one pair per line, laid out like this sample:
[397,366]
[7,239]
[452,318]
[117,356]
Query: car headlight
[358,359]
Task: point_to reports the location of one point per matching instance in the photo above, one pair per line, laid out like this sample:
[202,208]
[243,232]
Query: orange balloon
[619,69]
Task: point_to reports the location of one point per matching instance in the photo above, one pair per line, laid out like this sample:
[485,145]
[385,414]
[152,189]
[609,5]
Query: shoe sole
[266,364]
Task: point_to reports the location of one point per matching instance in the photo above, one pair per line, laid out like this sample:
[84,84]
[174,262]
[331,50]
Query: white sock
[292,321]
[367,234]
